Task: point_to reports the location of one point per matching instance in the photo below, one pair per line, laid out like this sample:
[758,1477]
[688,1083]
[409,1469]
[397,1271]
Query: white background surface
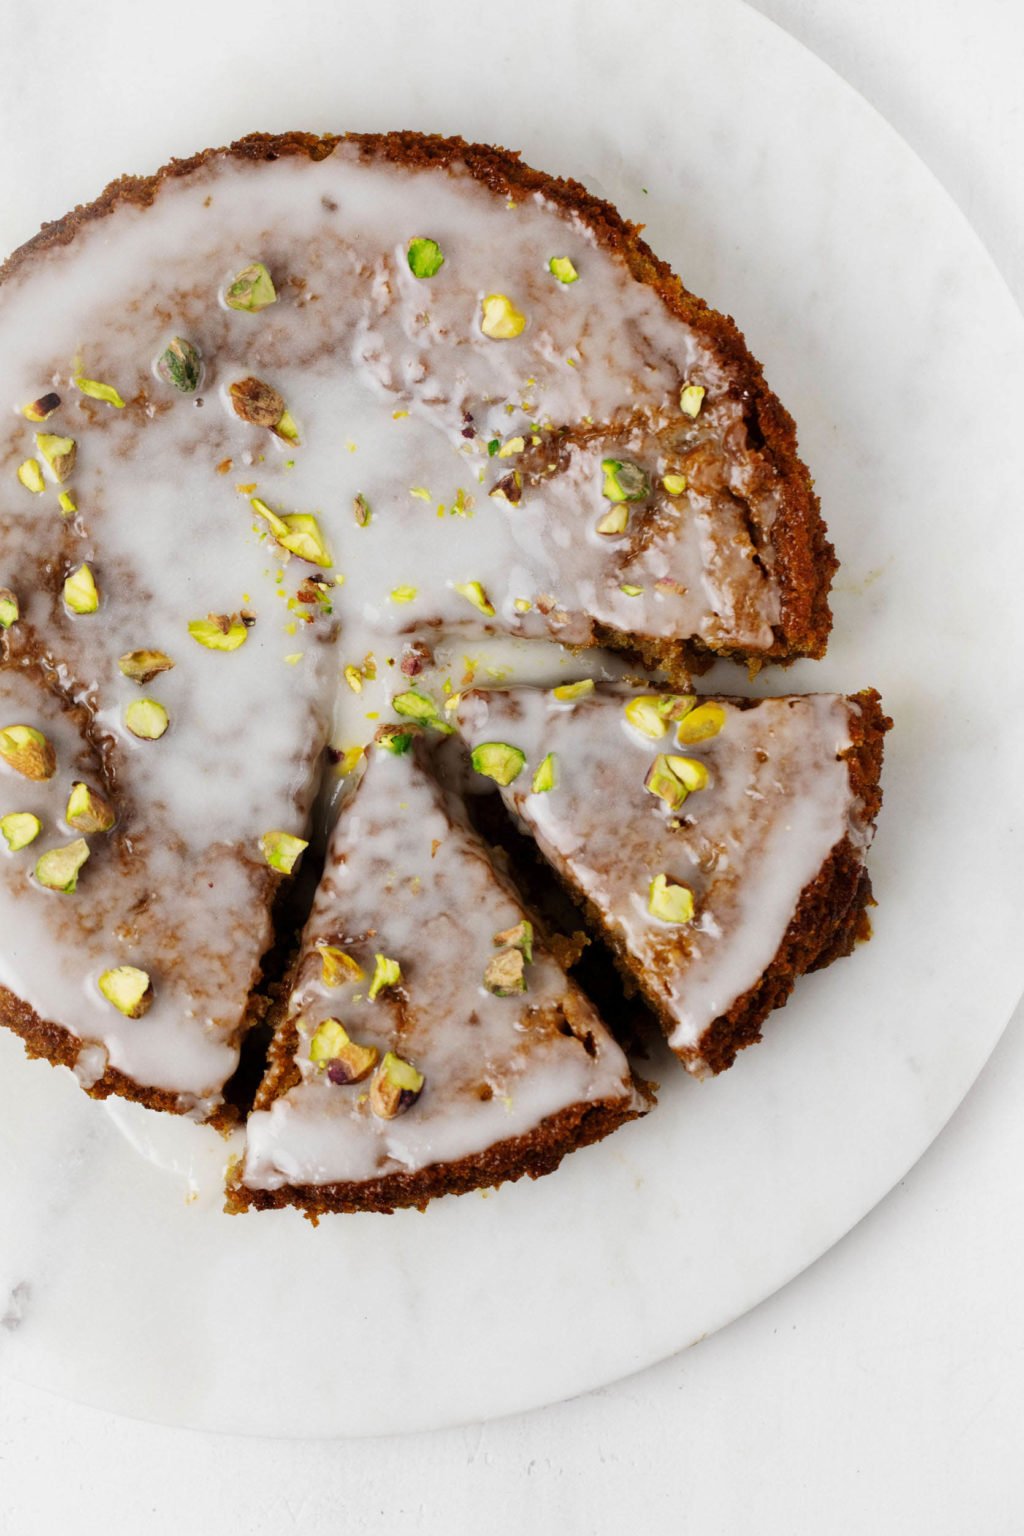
[885,1387]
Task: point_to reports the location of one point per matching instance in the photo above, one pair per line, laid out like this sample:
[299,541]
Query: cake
[291,424]
[430,1041]
[717,845]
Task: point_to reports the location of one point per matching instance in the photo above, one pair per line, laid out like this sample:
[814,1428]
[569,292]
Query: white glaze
[406,878]
[778,801]
[353,340]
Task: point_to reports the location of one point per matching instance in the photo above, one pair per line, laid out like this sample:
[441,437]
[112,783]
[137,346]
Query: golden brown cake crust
[804,557]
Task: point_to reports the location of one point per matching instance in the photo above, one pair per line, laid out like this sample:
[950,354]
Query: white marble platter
[780,196]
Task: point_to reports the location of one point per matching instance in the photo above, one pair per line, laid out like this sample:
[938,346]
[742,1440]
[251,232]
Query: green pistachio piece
[281,850]
[509,488]
[394,740]
[425,257]
[498,761]
[337,967]
[251,290]
[566,693]
[669,902]
[143,666]
[631,591]
[650,713]
[287,428]
[41,409]
[361,508]
[87,810]
[386,973]
[562,268]
[58,869]
[256,402]
[700,724]
[129,989]
[691,398]
[509,449]
[505,973]
[501,321]
[97,391]
[663,782]
[31,476]
[304,539]
[80,591]
[146,719]
[180,365]
[416,706]
[219,633]
[331,1044]
[10,610]
[19,829]
[474,593]
[674,484]
[67,503]
[28,752]
[624,480]
[59,452]
[690,771]
[518,937]
[544,778]
[395,1087]
[615,520]
[277,525]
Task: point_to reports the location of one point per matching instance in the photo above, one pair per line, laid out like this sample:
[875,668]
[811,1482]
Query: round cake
[306,434]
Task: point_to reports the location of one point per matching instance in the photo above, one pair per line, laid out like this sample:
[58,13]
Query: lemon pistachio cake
[717,844]
[431,1042]
[283,420]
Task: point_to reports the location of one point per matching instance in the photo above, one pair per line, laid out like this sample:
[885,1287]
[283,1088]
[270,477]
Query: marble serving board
[782,198]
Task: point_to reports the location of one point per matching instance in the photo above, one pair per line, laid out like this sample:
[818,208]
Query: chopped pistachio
[80,591]
[287,428]
[281,850]
[350,760]
[493,447]
[522,605]
[362,510]
[10,610]
[336,967]
[690,771]
[97,391]
[670,902]
[143,666]
[31,476]
[403,594]
[395,1087]
[302,537]
[129,989]
[474,593]
[700,724]
[674,484]
[420,492]
[219,633]
[41,409]
[501,320]
[67,503]
[691,398]
[345,1060]
[511,448]
[251,290]
[386,973]
[567,692]
[59,452]
[28,752]
[19,829]
[630,590]
[256,402]
[88,810]
[505,973]
[416,706]
[498,761]
[146,719]
[58,869]
[509,488]
[650,713]
[615,520]
[544,778]
[180,365]
[425,257]
[354,678]
[518,937]
[562,268]
[394,740]
[624,480]
[663,782]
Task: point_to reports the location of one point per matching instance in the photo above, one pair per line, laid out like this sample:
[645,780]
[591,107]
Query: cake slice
[431,1042]
[717,845]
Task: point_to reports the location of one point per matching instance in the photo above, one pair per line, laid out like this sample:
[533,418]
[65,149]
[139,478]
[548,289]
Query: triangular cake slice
[431,1042]
[717,844]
